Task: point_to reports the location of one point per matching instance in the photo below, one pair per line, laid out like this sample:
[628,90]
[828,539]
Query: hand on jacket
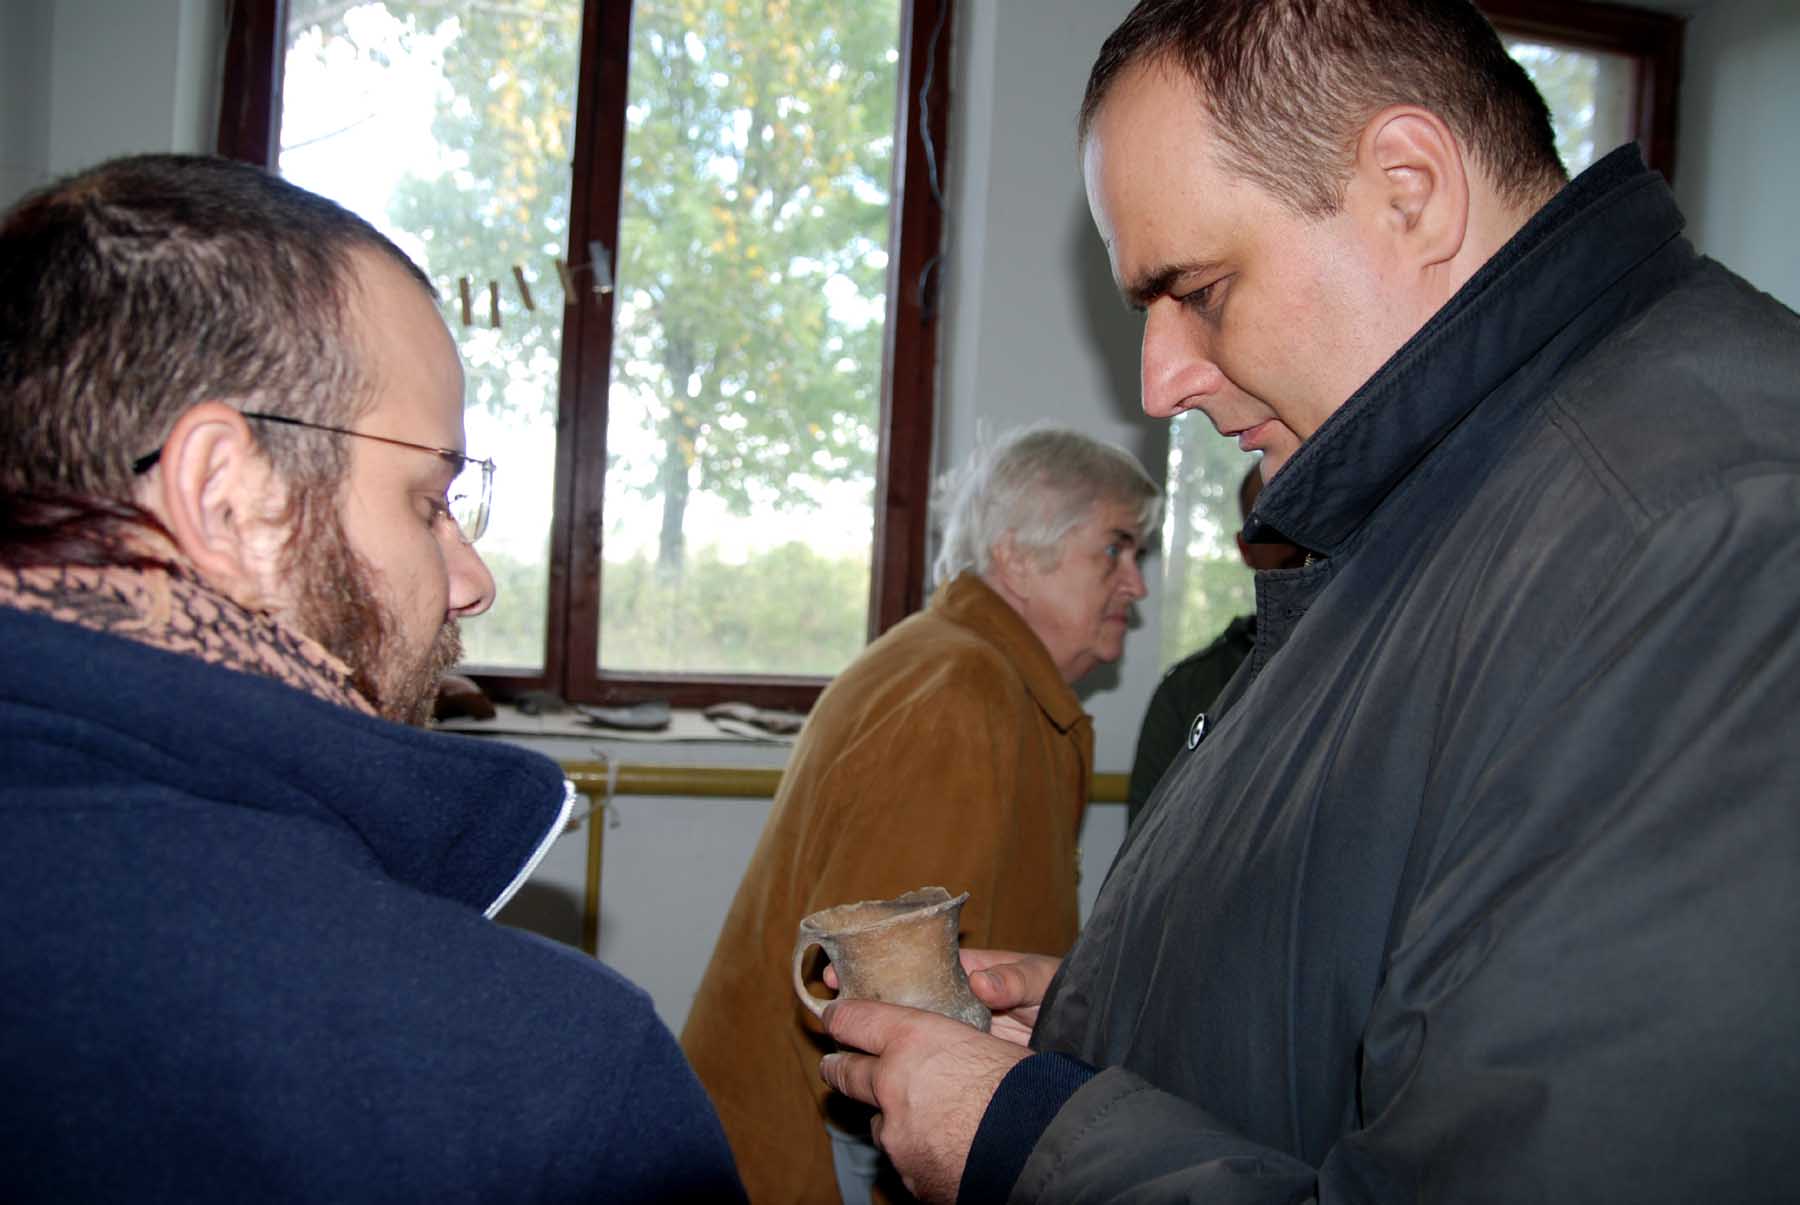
[931,1079]
[1012,986]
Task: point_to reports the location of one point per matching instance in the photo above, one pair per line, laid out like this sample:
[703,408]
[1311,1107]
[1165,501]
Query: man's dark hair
[1290,84]
[148,284]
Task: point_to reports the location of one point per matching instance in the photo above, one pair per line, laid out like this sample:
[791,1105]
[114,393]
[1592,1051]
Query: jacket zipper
[543,847]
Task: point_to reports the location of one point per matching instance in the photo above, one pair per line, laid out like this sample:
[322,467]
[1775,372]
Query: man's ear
[1411,179]
[219,497]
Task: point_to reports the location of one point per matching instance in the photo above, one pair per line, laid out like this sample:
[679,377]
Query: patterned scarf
[176,611]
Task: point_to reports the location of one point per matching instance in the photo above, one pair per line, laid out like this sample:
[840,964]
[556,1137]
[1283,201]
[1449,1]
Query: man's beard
[340,608]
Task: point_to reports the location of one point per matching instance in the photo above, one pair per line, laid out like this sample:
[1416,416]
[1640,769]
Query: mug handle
[813,1004]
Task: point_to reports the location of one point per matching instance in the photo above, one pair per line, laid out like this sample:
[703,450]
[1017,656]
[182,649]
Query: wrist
[1027,1099]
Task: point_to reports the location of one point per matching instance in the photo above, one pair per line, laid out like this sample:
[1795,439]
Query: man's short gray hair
[1035,484]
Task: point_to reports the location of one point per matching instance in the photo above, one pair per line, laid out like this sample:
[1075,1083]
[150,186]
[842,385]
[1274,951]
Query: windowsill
[569,737]
[685,727]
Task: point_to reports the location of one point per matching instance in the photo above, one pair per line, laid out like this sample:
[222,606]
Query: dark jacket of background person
[246,957]
[1185,692]
[949,753]
[1187,700]
[1484,889]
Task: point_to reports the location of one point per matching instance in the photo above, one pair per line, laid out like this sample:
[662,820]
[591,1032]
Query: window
[1609,75]
[1588,93]
[694,299]
[1608,72]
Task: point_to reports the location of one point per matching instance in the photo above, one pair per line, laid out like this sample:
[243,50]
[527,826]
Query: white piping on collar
[555,830]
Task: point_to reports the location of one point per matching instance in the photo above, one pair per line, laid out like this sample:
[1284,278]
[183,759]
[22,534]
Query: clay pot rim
[918,903]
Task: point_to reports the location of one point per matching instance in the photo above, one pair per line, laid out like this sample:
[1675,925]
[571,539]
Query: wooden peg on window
[462,287]
[524,289]
[494,304]
[600,265]
[598,268]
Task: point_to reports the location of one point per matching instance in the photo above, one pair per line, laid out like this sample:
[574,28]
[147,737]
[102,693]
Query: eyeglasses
[471,490]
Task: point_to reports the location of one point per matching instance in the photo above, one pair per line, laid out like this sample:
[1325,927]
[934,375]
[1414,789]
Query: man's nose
[1178,373]
[472,587]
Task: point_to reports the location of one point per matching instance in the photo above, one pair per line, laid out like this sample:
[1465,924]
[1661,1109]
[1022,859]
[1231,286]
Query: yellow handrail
[727,782]
[630,778]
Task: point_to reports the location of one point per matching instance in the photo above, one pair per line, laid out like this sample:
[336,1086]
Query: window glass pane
[1589,94]
[746,376]
[448,126]
[1205,581]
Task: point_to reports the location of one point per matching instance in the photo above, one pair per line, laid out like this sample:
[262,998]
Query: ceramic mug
[899,951]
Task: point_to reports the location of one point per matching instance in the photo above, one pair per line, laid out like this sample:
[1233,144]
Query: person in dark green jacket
[1182,706]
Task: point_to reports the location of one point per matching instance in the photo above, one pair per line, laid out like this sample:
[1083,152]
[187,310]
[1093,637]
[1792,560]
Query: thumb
[1002,987]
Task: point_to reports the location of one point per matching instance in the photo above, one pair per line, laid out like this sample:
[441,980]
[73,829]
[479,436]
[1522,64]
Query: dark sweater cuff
[1024,1104]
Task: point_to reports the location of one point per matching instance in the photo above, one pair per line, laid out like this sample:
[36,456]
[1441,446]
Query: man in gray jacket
[1485,886]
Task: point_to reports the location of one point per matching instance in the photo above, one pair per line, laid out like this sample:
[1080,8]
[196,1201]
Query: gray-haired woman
[953,751]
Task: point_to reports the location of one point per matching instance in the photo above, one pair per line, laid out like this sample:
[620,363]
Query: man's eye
[435,509]
[1206,298]
[1202,299]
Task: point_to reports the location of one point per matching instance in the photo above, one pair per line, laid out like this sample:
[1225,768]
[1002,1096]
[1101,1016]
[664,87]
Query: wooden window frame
[1652,40]
[249,129]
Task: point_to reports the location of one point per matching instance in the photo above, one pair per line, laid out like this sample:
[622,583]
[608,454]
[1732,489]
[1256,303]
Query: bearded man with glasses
[250,953]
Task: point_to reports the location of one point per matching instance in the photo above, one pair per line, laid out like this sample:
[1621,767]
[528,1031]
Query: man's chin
[341,607]
[1276,454]
[408,695]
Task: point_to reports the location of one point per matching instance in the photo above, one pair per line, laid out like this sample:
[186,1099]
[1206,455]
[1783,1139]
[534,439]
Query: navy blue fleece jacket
[246,957]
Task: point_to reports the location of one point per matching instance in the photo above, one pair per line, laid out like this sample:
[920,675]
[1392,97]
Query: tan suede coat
[949,753]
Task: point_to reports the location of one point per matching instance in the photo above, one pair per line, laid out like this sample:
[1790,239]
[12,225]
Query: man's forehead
[1151,175]
[408,351]
[1154,112]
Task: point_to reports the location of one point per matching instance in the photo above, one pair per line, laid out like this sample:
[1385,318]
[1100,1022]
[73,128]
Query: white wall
[84,80]
[132,77]
[24,85]
[1737,167]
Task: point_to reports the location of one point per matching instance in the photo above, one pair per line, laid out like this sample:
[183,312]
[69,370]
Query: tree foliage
[787,609]
[752,245]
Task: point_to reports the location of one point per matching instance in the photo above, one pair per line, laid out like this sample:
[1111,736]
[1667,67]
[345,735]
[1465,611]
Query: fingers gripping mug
[899,951]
